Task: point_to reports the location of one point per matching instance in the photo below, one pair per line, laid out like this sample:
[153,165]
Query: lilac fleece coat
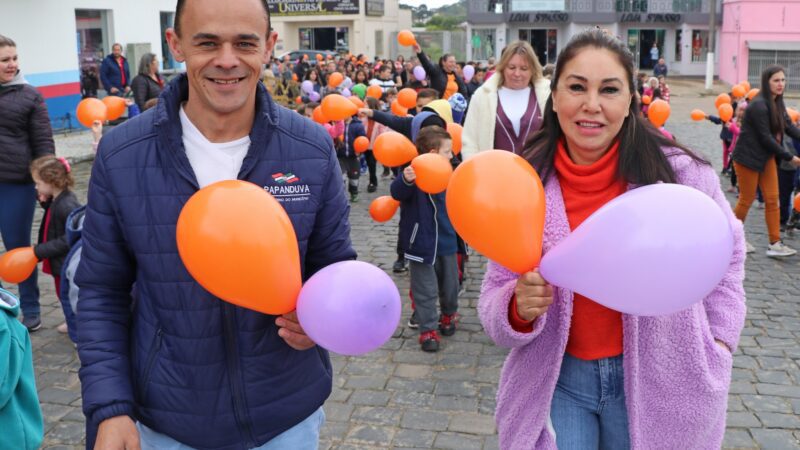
[676,377]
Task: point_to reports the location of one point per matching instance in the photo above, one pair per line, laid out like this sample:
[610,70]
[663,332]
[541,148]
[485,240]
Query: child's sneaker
[353,198]
[412,321]
[447,324]
[429,341]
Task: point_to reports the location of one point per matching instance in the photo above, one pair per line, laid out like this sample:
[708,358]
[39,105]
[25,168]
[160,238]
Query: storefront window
[699,45]
[631,5]
[684,6]
[483,46]
[678,45]
[93,40]
[544,43]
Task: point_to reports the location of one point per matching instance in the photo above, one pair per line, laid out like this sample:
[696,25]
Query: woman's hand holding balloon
[364,112]
[291,332]
[795,161]
[534,295]
[417,48]
[409,175]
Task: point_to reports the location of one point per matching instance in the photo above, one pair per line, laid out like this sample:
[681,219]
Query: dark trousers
[372,167]
[16,219]
[430,283]
[785,188]
[352,169]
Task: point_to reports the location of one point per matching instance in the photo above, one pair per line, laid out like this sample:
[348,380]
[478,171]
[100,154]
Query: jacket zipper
[435,229]
[232,355]
[151,359]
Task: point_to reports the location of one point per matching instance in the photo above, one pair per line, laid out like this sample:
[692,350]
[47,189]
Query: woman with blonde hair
[507,108]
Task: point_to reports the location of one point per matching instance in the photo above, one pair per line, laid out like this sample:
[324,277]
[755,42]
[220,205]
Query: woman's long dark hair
[775,107]
[641,158]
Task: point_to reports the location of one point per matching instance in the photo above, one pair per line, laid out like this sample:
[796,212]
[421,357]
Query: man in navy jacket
[115,73]
[163,360]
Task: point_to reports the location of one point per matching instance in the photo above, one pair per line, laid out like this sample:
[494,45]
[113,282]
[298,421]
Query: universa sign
[309,7]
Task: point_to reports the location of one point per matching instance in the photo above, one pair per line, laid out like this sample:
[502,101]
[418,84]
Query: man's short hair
[428,93]
[181,3]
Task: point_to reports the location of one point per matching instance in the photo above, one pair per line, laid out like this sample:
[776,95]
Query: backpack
[69,290]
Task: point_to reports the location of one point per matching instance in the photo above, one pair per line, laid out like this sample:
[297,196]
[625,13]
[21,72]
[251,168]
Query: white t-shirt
[212,161]
[515,103]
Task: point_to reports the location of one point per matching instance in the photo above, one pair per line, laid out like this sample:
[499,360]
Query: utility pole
[712,31]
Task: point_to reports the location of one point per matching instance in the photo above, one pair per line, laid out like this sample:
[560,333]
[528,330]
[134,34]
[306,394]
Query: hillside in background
[444,18]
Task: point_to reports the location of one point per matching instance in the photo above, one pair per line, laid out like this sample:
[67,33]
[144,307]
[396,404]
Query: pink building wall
[753,20]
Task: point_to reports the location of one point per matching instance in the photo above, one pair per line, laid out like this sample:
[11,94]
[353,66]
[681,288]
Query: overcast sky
[431,3]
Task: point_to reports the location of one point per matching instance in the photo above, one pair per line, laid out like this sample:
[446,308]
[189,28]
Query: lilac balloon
[346,83]
[419,73]
[469,72]
[307,86]
[346,92]
[350,307]
[652,251]
[313,96]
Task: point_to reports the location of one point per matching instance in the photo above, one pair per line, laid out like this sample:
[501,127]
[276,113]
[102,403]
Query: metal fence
[759,60]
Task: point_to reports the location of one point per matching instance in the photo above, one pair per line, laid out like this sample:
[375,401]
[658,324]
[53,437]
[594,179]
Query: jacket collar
[168,125]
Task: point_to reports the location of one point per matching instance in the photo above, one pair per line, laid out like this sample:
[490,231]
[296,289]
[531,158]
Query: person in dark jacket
[115,73]
[443,76]
[429,242]
[148,83]
[53,182]
[25,134]
[348,159]
[764,127]
[172,364]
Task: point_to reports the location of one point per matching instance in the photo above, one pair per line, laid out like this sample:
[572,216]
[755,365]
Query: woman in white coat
[507,108]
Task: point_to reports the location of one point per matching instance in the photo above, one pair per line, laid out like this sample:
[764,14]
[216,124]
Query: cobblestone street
[399,396]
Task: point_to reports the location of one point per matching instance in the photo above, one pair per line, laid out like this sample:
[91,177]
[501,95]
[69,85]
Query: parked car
[312,55]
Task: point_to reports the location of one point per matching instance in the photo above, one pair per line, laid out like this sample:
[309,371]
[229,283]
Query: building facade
[674,29]
[349,26]
[756,34]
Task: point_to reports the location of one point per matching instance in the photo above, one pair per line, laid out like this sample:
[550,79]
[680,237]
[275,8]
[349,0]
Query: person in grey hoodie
[25,134]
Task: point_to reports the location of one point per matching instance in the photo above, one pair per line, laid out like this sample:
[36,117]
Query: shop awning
[790,46]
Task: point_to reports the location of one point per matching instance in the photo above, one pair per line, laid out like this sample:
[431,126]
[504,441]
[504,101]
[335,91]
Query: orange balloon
[336,107]
[753,93]
[383,208]
[658,112]
[455,131]
[398,110]
[433,172]
[495,201]
[356,101]
[294,77]
[319,116]
[89,110]
[725,112]
[237,242]
[646,99]
[393,149]
[361,144]
[794,115]
[374,91]
[698,115]
[406,38]
[407,98]
[298,100]
[115,107]
[797,202]
[738,91]
[746,85]
[17,265]
[335,79]
[721,99]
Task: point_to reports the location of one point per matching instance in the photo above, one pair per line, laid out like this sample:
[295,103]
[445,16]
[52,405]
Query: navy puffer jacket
[206,373]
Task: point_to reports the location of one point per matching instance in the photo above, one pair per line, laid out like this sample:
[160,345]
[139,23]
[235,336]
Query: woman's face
[154,66]
[312,76]
[592,100]
[449,64]
[777,83]
[8,63]
[518,73]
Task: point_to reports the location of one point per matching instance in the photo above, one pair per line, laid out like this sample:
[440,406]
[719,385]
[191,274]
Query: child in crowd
[373,130]
[429,241]
[345,151]
[53,182]
[20,415]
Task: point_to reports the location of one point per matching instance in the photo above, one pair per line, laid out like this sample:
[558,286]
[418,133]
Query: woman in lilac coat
[644,382]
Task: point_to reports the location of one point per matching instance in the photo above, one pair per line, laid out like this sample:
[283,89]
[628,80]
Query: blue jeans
[303,436]
[588,410]
[17,204]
